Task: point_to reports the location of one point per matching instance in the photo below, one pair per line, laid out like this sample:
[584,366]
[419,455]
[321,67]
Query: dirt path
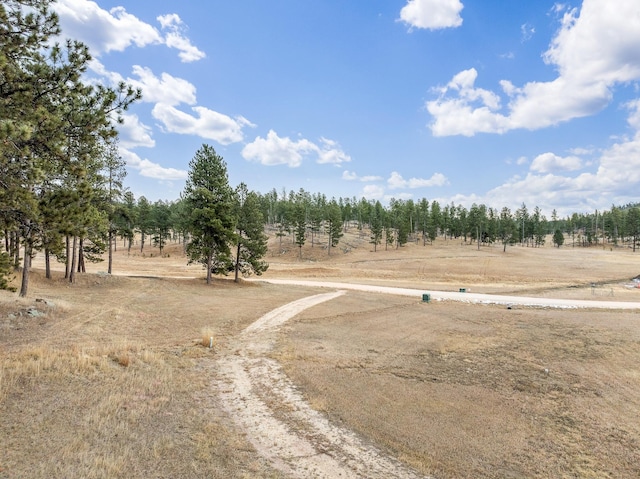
[466,297]
[283,428]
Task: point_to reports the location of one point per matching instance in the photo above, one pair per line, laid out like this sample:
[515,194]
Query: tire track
[283,428]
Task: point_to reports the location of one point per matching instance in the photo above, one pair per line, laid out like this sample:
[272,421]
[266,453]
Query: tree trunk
[72,272]
[67,263]
[141,242]
[237,261]
[16,250]
[47,263]
[24,286]
[81,268]
[209,263]
[110,251]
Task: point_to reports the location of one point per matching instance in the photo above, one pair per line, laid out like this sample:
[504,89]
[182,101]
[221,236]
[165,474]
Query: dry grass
[112,379]
[208,338]
[477,391]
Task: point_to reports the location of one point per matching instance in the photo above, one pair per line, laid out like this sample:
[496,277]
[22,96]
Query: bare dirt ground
[112,380]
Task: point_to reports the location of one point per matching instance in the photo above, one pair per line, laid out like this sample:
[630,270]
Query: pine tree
[251,240]
[300,221]
[5,271]
[209,209]
[49,119]
[161,223]
[143,220]
[558,238]
[334,219]
[507,228]
[377,225]
[113,175]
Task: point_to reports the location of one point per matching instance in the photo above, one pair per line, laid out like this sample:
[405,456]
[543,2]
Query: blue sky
[461,101]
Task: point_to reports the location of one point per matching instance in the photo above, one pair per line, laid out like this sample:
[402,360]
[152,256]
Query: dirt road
[467,297]
[283,428]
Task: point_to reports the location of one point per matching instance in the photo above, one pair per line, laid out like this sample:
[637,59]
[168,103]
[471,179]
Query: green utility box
[426,297]
[463,290]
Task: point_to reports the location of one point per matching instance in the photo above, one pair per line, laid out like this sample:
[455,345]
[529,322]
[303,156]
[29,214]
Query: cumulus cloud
[330,152]
[102,30]
[167,92]
[275,150]
[205,123]
[373,192]
[175,38]
[150,169]
[116,30]
[352,176]
[615,180]
[550,162]
[396,181]
[590,61]
[133,133]
[165,89]
[432,14]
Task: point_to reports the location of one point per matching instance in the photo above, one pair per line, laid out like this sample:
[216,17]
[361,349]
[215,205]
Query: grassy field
[109,377]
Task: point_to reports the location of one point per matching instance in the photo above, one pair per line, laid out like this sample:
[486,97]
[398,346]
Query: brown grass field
[110,377]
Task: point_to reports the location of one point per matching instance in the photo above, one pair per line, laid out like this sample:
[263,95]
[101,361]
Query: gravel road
[466,297]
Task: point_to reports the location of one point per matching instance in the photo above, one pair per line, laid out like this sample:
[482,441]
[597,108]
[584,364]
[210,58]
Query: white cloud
[527,31]
[473,111]
[149,169]
[274,150]
[133,133]
[581,151]
[352,176]
[116,30]
[615,181]
[102,30]
[373,192]
[396,181]
[99,69]
[634,117]
[176,39]
[590,61]
[432,14]
[550,162]
[330,152]
[206,123]
[167,89]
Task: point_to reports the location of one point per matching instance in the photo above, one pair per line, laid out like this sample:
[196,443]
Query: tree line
[407,220]
[61,176]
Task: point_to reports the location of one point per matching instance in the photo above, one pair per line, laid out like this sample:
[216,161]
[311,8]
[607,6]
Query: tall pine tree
[251,240]
[209,210]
